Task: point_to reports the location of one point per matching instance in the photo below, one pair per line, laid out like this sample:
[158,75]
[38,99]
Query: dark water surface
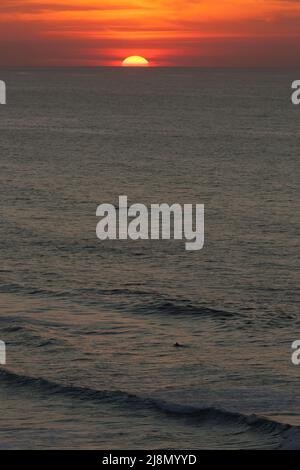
[90,325]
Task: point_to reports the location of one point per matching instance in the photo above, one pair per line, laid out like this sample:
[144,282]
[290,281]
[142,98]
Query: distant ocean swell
[289,435]
[135,300]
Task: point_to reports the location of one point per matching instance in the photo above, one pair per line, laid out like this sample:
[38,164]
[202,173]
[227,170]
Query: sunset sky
[166,32]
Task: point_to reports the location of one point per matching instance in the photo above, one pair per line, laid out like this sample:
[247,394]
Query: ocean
[90,325]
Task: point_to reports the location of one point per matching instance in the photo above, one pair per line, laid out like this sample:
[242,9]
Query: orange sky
[166,32]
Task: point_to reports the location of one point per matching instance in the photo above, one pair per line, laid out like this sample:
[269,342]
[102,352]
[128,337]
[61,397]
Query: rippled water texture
[89,325]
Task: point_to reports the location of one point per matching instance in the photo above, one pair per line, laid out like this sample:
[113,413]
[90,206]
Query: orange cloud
[167,32]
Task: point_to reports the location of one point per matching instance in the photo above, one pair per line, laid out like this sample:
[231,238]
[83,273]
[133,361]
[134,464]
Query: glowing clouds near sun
[184,33]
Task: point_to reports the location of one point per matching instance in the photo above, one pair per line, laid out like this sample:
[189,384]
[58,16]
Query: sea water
[89,325]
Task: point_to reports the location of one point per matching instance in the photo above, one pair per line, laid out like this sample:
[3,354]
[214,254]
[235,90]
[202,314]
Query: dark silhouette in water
[178,345]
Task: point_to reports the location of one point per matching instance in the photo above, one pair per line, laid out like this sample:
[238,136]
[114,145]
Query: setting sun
[135,61]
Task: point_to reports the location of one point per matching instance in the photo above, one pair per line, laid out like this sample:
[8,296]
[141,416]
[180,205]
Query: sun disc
[135,61]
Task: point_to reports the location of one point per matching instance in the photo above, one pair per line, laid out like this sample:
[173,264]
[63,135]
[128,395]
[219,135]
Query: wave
[122,299]
[180,307]
[290,435]
[291,439]
[49,387]
[138,301]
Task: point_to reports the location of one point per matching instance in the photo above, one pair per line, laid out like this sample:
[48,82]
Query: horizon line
[263,67]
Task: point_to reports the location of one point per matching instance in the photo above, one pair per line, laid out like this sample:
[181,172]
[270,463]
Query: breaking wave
[290,435]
